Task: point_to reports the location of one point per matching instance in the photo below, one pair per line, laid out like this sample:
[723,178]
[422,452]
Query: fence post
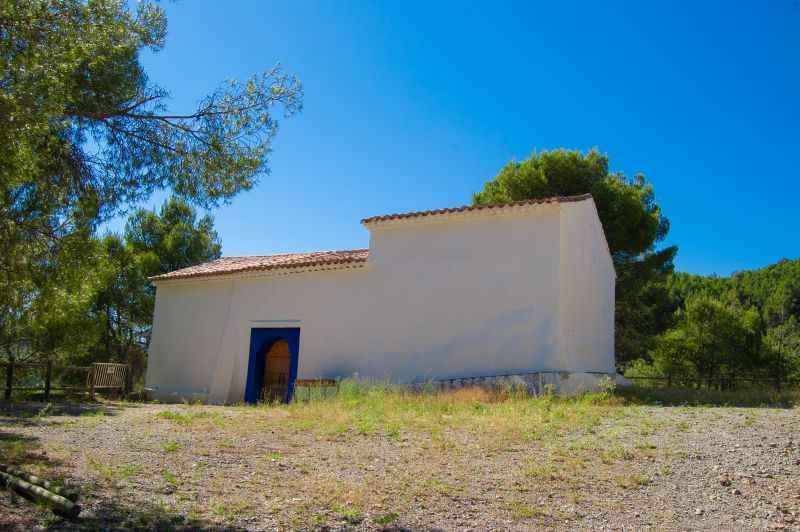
[48,374]
[9,377]
[127,388]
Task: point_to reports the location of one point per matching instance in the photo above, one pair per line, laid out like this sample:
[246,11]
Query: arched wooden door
[276,372]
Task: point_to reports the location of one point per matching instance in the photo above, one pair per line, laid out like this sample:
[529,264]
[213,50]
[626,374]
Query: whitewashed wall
[586,282]
[441,297]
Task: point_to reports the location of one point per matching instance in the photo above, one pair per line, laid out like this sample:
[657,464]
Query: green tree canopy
[711,340]
[123,301]
[84,130]
[772,293]
[632,222]
[174,236]
[122,307]
[85,134]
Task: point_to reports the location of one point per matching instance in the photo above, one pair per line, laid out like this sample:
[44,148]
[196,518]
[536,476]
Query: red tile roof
[233,265]
[466,208]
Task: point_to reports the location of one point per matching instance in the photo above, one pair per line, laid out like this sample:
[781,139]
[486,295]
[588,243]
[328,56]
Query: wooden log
[62,504]
[65,492]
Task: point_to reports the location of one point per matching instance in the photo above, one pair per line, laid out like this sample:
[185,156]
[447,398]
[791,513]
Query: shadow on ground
[100,511]
[24,513]
[19,412]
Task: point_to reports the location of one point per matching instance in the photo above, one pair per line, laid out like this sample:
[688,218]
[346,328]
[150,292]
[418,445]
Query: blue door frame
[261,340]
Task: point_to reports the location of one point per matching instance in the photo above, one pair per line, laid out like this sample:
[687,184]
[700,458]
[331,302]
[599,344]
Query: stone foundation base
[556,382]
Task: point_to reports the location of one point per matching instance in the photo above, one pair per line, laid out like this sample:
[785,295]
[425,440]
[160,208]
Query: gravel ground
[176,466]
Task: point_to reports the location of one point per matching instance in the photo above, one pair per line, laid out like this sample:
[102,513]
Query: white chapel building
[451,296]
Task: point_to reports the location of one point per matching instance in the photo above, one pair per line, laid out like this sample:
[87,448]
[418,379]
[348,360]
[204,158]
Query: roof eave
[251,273]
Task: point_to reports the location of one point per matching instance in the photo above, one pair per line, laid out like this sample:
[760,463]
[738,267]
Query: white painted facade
[517,289]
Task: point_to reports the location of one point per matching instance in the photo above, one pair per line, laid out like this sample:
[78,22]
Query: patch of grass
[617,452]
[13,449]
[169,478]
[385,519]
[172,447]
[394,433]
[231,511]
[188,417]
[153,518]
[222,510]
[439,439]
[546,469]
[225,443]
[351,515]
[194,513]
[576,496]
[200,471]
[646,428]
[646,449]
[630,481]
[44,412]
[521,511]
[112,473]
[92,418]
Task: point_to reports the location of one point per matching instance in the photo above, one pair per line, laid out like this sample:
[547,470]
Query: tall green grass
[368,406]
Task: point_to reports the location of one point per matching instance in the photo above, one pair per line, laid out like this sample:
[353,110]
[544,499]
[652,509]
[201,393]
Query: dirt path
[636,468]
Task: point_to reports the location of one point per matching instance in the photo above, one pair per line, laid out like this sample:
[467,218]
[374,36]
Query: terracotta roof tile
[233,265]
[504,205]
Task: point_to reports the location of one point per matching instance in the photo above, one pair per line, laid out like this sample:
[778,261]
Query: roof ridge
[469,208]
[354,250]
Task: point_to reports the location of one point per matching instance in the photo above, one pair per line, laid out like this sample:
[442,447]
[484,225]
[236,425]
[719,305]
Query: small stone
[724,480]
[698,511]
[734,491]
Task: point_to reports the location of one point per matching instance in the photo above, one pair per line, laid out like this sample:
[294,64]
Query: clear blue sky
[413,105]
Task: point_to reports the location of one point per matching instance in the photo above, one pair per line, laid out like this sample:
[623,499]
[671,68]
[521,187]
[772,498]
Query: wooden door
[276,372]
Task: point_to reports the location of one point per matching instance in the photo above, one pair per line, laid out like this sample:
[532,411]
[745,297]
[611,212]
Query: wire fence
[718,383]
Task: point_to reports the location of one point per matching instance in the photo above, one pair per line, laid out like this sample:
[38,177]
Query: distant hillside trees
[745,325]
